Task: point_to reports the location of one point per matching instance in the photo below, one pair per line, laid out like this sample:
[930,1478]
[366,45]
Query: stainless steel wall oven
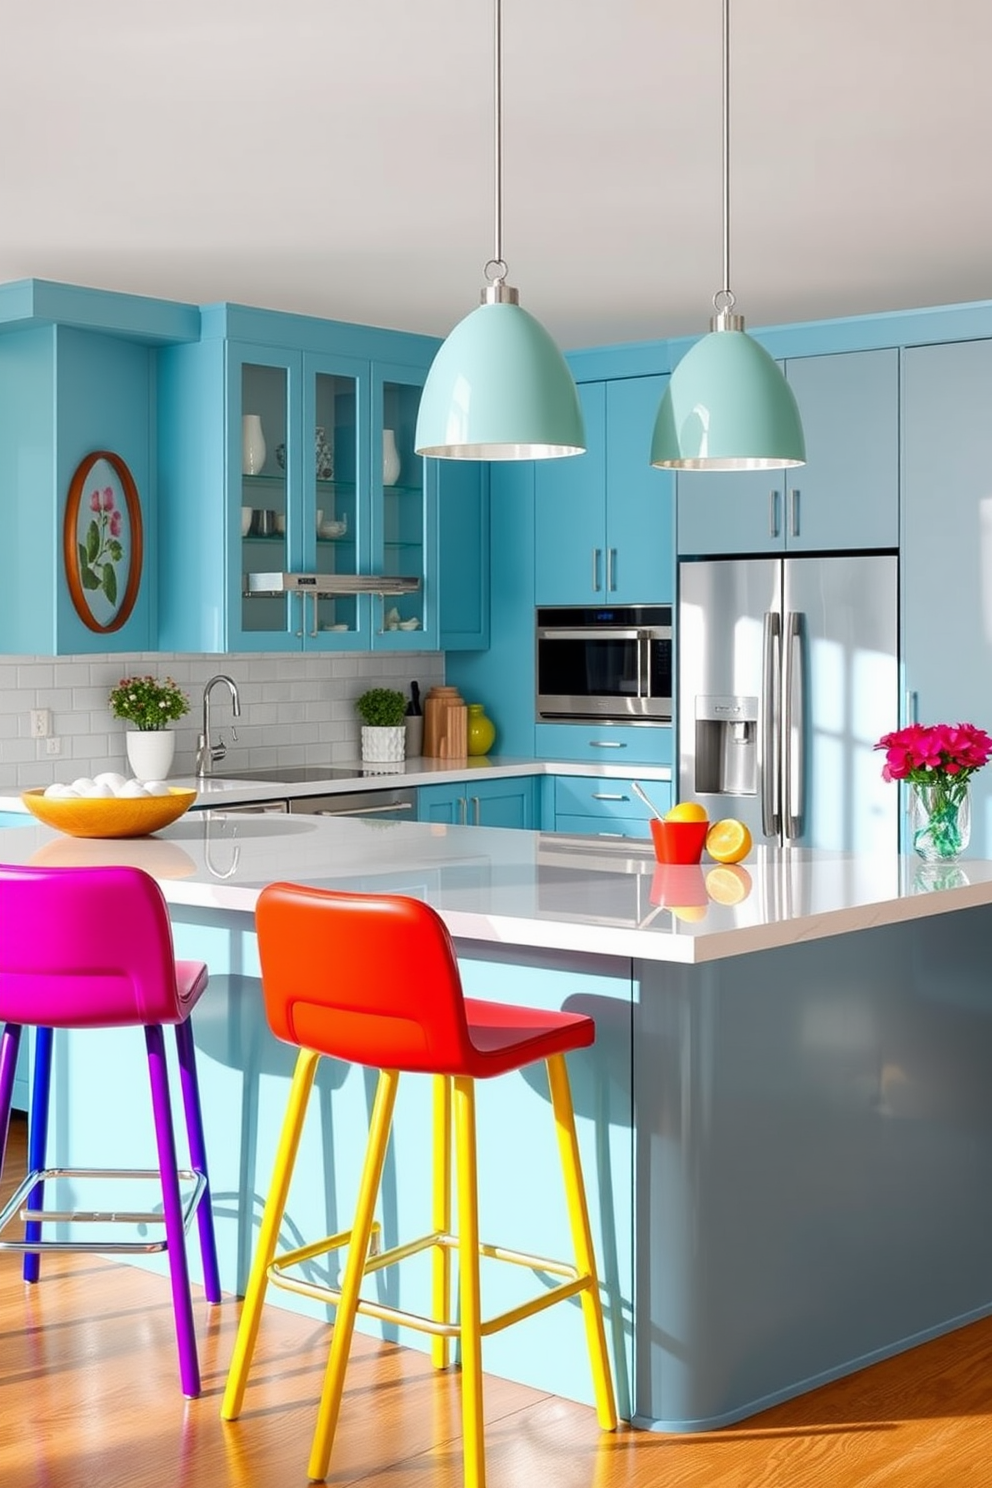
[605,662]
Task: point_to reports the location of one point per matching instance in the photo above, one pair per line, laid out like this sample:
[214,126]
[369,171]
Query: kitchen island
[786,1119]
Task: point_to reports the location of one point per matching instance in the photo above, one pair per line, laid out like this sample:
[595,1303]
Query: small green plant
[381,707]
[147,702]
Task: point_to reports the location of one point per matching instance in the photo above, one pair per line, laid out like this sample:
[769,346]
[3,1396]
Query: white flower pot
[383,745]
[150,752]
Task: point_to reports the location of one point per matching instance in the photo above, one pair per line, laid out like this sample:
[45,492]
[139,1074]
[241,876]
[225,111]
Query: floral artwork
[102,549]
[102,541]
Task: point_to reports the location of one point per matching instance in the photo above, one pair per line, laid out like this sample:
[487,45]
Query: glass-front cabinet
[298,514]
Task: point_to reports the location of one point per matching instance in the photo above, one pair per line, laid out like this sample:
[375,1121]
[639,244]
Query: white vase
[390,458]
[150,752]
[252,445]
[383,745]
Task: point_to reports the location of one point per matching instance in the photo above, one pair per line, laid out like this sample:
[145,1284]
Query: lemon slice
[728,841]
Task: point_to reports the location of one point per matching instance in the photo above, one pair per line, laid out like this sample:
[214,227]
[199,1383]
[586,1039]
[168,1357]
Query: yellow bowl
[108,816]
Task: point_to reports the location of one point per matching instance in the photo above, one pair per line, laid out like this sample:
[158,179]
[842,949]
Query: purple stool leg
[38,1141]
[189,1369]
[198,1157]
[10,1042]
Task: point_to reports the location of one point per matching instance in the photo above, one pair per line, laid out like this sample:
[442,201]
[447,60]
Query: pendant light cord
[496,269]
[724,300]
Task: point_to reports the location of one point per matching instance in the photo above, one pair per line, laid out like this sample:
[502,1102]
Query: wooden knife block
[445,724]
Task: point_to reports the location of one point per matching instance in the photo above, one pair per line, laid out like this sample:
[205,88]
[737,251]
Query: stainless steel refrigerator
[787,677]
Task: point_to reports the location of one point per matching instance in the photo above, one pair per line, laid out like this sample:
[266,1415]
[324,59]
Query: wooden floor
[89,1398]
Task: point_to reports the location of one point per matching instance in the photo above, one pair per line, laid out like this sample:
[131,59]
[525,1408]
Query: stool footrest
[573,1283]
[16,1208]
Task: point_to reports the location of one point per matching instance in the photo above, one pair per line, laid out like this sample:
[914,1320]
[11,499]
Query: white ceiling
[335,158]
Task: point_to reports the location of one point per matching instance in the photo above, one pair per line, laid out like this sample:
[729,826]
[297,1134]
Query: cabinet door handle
[608,796]
[316,627]
[595,570]
[611,564]
[773,514]
[462,811]
[303,613]
[476,811]
[794,512]
[605,744]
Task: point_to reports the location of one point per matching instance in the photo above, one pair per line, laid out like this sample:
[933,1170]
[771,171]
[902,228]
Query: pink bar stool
[62,965]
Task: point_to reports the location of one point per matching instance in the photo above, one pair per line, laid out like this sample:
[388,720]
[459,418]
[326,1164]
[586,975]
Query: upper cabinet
[604,520]
[298,514]
[946,560]
[847,493]
[67,395]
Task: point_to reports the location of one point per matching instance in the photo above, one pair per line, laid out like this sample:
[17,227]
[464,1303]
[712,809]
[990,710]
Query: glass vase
[939,821]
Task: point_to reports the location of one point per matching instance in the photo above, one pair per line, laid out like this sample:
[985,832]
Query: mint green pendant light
[727,405]
[499,388]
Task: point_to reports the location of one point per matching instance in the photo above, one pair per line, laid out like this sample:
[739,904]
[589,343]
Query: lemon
[729,884]
[687,811]
[728,841]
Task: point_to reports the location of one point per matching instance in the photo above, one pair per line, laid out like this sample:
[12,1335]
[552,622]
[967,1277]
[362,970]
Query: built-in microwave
[606,662]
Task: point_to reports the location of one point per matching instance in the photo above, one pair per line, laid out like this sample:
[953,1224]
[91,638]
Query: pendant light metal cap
[728,407]
[499,389]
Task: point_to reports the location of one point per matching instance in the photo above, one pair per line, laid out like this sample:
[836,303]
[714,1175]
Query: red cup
[678,842]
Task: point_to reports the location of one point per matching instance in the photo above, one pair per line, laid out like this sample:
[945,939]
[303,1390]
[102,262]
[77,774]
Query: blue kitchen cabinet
[946,552]
[507,802]
[604,520]
[602,806]
[66,394]
[605,743]
[845,496]
[329,538]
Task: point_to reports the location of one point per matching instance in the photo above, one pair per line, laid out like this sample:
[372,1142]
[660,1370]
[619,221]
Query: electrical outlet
[53,747]
[41,723]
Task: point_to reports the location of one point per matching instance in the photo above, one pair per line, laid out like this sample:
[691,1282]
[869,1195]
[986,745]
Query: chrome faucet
[209,754]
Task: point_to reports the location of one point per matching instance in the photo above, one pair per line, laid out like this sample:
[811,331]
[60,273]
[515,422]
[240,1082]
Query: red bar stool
[320,993]
[92,948]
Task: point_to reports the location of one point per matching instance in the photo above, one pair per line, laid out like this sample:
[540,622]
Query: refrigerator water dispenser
[726,761]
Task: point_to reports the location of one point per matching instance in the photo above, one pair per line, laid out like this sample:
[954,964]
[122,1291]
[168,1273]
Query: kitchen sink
[295,774]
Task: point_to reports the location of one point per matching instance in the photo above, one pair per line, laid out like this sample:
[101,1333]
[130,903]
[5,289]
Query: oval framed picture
[102,541]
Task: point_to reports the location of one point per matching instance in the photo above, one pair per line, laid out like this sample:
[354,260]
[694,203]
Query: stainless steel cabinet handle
[476,811]
[462,811]
[367,810]
[608,796]
[303,612]
[795,713]
[611,563]
[595,570]
[773,514]
[768,725]
[606,744]
[794,512]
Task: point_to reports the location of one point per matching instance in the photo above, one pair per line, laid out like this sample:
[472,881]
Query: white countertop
[517,888]
[411,772]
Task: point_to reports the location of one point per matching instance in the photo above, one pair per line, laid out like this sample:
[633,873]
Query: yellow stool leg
[578,1216]
[358,1249]
[275,1206]
[473,1439]
[441,1215]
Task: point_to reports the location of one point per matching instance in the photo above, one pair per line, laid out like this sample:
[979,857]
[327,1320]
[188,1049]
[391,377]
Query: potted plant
[382,711]
[149,705]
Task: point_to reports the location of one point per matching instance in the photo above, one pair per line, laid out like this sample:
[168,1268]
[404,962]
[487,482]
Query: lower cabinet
[592,805]
[480,803]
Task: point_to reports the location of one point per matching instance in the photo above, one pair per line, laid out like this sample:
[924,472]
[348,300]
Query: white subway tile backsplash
[294,709]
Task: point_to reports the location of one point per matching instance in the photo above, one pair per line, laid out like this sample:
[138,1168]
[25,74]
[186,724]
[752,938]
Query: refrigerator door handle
[795,682]
[769,724]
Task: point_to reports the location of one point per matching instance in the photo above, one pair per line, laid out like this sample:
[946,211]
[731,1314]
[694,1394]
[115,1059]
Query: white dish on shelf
[332,529]
[413,624]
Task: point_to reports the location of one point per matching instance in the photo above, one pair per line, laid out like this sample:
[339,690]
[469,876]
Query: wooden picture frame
[103,541]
